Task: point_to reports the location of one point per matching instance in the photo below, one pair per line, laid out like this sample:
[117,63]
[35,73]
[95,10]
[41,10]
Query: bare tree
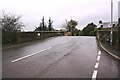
[10,23]
[42,26]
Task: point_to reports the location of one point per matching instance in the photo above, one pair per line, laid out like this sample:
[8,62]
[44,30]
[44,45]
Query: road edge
[107,50]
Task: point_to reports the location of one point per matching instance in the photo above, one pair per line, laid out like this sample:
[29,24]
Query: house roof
[108,24]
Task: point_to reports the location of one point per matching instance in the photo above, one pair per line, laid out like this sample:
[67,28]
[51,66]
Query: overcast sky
[84,11]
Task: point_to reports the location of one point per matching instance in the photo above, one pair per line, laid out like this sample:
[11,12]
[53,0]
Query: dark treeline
[10,24]
[89,30]
[11,27]
[44,27]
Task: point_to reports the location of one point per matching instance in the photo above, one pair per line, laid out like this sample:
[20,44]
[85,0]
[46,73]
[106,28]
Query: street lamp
[111,13]
[111,37]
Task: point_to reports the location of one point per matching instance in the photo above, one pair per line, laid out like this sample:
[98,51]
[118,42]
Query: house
[107,24]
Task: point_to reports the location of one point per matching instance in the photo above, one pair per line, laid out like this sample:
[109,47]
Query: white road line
[98,58]
[96,65]
[99,53]
[33,54]
[29,55]
[94,75]
[64,42]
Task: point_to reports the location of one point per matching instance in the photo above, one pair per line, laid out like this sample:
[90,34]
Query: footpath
[115,52]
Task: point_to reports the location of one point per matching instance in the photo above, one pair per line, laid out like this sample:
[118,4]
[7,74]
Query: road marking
[94,75]
[96,65]
[98,58]
[29,55]
[64,42]
[33,54]
[99,53]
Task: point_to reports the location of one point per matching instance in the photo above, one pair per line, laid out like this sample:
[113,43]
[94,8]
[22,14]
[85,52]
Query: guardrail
[20,37]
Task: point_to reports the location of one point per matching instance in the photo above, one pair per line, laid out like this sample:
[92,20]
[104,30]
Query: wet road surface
[59,57]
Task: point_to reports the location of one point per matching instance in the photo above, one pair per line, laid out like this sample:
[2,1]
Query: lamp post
[111,37]
[111,13]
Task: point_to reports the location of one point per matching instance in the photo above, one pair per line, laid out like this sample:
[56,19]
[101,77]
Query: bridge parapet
[20,37]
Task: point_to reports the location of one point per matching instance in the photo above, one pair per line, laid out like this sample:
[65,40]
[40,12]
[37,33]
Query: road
[59,57]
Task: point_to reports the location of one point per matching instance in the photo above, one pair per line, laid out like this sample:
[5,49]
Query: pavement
[111,49]
[109,66]
[112,52]
[59,57]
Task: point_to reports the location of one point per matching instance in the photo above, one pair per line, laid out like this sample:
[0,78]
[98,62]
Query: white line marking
[30,55]
[98,58]
[96,65]
[94,75]
[99,53]
[64,42]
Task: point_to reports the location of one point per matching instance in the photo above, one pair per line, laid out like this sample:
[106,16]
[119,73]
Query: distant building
[119,9]
[108,24]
